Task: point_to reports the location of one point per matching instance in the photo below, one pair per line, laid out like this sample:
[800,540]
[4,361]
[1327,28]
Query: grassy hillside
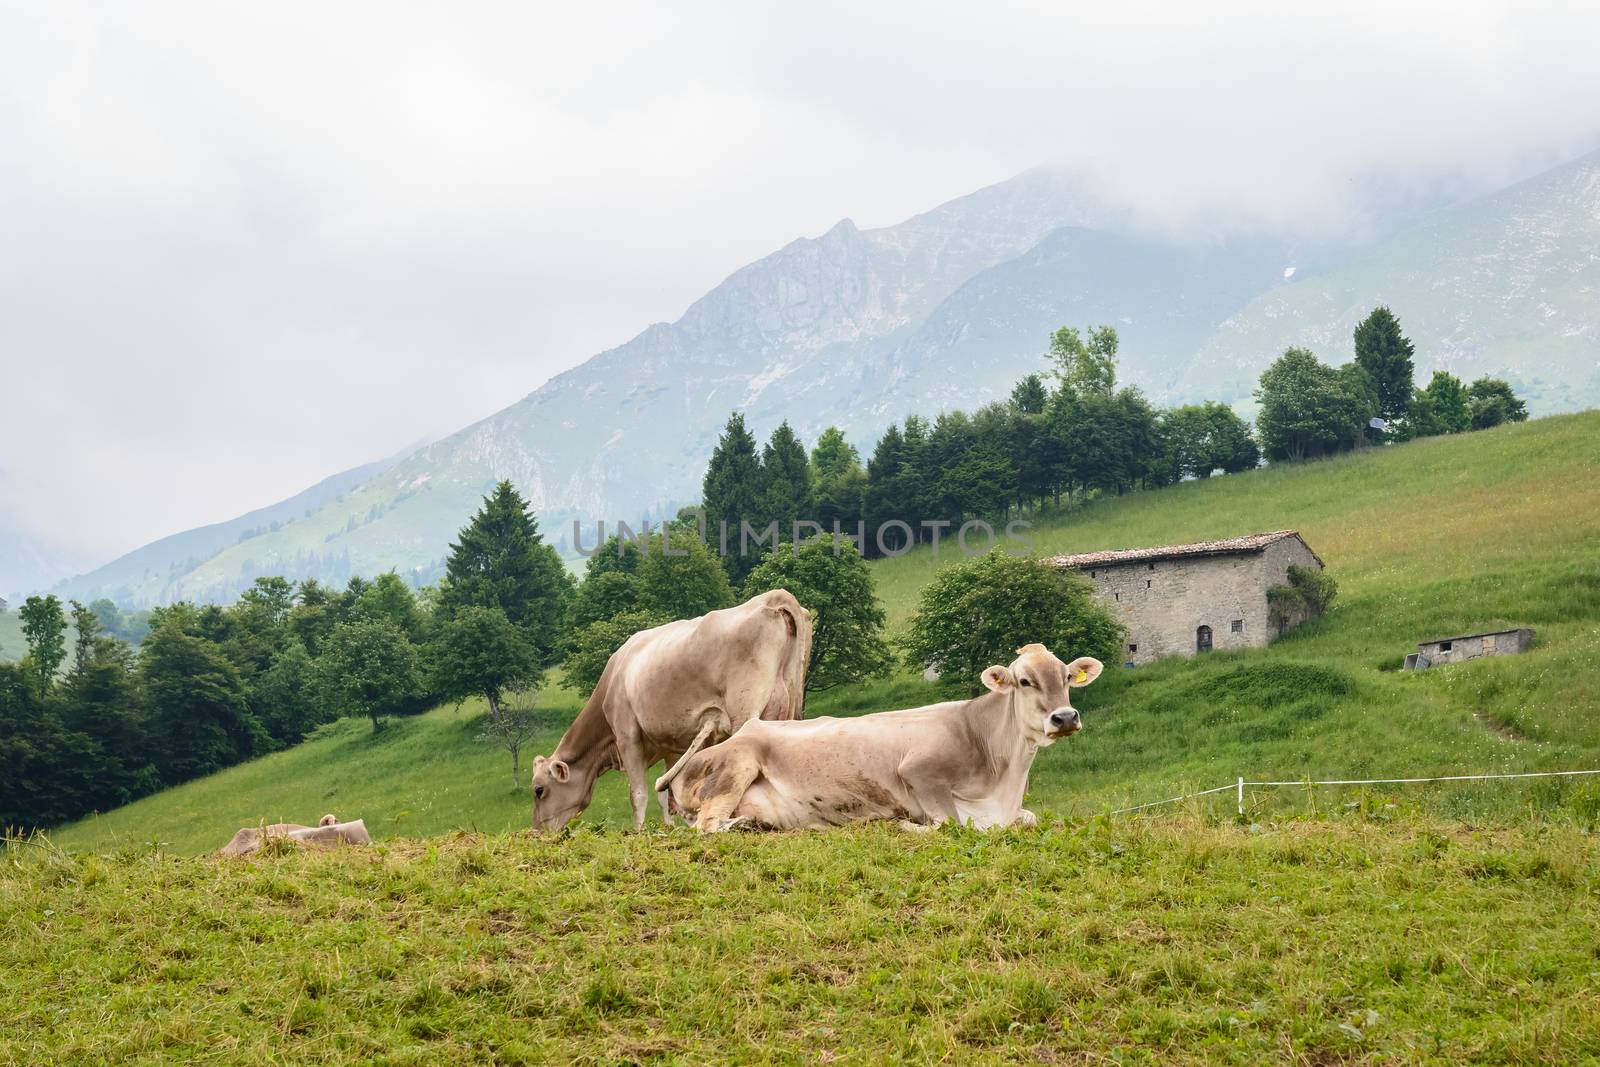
[1332,941]
[1440,536]
[1426,539]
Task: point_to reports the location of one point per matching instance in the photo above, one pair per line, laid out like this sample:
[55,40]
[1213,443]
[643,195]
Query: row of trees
[1310,409]
[1071,431]
[99,723]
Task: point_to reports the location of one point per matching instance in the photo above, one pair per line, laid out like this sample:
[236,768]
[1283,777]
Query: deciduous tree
[831,580]
[368,667]
[1491,402]
[44,627]
[978,612]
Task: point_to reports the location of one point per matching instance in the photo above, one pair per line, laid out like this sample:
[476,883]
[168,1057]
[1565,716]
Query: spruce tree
[787,491]
[833,456]
[501,561]
[732,491]
[1385,353]
[840,481]
[880,502]
[1029,395]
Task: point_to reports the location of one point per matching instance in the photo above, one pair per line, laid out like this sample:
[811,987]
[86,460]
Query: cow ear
[1083,670]
[1000,679]
[329,819]
[559,770]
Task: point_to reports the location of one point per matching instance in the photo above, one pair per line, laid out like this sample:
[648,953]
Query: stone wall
[1163,603]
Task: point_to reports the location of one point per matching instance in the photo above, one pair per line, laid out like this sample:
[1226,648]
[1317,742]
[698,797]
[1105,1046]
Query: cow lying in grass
[965,761]
[328,833]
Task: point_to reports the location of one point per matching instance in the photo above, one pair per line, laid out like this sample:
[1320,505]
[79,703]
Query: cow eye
[1024,681]
[538,793]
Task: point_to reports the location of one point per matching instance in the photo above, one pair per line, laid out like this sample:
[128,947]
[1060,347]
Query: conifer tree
[840,481]
[1029,395]
[501,561]
[732,492]
[1385,353]
[881,501]
[787,491]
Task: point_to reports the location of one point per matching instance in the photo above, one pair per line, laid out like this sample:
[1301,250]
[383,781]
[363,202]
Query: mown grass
[1440,536]
[1176,940]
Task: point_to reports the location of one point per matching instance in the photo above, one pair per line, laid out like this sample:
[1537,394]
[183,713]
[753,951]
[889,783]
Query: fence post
[1241,794]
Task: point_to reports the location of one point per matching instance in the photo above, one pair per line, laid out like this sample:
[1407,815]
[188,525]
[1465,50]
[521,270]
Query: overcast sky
[245,246]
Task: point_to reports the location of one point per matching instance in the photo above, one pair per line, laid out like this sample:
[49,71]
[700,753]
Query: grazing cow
[328,833]
[966,760]
[669,691]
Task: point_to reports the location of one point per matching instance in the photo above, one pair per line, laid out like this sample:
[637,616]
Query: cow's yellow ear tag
[1083,675]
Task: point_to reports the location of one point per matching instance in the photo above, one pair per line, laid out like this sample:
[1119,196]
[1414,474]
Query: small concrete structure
[1180,600]
[1469,646]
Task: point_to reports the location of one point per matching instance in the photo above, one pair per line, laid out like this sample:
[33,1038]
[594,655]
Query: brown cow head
[560,792]
[1037,683]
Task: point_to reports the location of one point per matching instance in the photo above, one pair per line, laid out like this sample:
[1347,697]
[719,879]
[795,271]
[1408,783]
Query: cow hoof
[915,827]
[1026,818]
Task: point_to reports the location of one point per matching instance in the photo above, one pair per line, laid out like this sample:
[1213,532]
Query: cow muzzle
[1064,721]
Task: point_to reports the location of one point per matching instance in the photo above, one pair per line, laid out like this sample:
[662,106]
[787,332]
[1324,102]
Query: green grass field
[1339,940]
[1434,537]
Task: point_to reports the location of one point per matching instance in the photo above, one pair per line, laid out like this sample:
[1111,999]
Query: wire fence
[1239,786]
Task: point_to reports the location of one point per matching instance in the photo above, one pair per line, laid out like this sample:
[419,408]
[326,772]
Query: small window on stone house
[1238,626]
[1489,643]
[1133,648]
[1444,646]
[1147,583]
[1152,566]
[1118,597]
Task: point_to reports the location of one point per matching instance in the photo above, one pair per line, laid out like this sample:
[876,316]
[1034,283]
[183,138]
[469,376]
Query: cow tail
[792,671]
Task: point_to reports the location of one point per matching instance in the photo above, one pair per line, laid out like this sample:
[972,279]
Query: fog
[241,250]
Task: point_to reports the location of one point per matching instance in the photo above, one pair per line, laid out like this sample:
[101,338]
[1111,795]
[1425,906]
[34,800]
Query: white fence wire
[1240,785]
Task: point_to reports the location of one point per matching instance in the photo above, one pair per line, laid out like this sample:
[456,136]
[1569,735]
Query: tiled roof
[1227,546]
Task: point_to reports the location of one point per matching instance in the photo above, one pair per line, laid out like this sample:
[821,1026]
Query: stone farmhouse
[1180,600]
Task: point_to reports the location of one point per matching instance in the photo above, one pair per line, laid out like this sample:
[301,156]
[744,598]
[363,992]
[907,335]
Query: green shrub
[980,611]
[1308,594]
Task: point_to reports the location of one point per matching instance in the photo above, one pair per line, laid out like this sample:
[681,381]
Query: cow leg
[694,746]
[938,804]
[664,797]
[631,753]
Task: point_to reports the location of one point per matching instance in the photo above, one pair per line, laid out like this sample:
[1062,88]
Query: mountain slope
[153,573]
[29,563]
[627,432]
[1508,285]
[860,327]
